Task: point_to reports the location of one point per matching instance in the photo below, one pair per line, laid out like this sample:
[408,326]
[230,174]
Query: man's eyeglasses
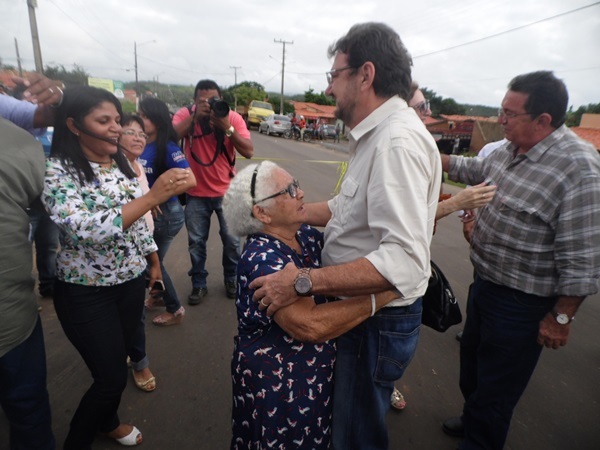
[502,114]
[332,72]
[291,189]
[422,107]
[139,134]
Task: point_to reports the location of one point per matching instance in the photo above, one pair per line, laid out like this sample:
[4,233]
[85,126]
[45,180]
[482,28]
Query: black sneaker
[197,295]
[231,289]
[454,427]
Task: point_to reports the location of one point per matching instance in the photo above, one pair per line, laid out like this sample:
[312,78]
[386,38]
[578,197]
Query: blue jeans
[370,358]
[23,394]
[44,234]
[100,323]
[166,227]
[498,354]
[198,211]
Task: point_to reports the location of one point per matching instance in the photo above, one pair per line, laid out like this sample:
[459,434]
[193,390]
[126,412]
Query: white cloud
[197,40]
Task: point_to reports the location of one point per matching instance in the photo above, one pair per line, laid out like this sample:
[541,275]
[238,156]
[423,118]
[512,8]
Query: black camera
[220,107]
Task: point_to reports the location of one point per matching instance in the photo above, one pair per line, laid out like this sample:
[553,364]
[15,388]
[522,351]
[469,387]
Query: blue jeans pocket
[397,347]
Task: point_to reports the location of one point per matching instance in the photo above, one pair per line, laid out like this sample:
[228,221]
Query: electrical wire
[505,31]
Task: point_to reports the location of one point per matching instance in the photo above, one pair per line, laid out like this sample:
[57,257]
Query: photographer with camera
[211,134]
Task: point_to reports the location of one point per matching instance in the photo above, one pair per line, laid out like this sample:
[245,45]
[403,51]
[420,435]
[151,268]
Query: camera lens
[220,107]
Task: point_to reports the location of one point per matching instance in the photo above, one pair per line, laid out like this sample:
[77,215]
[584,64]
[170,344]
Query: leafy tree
[449,106]
[246,91]
[274,99]
[319,99]
[441,105]
[574,117]
[128,106]
[76,77]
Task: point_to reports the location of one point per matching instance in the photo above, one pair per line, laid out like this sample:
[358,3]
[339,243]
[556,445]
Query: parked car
[275,124]
[328,131]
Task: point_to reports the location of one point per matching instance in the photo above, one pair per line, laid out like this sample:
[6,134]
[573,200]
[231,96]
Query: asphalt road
[190,408]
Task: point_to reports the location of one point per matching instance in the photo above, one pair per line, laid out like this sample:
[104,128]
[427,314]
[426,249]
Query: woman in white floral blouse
[92,194]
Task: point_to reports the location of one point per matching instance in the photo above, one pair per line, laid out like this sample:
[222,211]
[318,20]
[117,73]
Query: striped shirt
[541,232]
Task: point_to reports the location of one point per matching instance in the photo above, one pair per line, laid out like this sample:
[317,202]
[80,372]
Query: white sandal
[131,439]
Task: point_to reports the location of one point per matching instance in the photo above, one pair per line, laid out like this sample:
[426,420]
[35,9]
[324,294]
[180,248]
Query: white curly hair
[237,203]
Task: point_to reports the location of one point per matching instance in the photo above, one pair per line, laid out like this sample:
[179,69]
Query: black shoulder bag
[440,308]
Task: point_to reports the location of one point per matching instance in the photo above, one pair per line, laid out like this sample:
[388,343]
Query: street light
[137,84]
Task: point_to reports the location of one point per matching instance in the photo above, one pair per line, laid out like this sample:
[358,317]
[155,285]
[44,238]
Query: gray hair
[237,203]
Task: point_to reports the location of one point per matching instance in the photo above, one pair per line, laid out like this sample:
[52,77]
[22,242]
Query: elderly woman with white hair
[282,366]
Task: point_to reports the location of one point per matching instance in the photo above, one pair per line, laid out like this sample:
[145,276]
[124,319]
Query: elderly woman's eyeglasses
[291,189]
[134,133]
[422,107]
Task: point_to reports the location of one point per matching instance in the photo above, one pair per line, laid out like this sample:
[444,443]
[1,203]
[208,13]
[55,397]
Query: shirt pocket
[347,195]
[524,219]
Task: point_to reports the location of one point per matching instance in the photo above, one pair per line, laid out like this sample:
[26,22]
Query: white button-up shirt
[385,210]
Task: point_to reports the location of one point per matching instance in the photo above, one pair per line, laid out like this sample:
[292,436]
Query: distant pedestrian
[338,130]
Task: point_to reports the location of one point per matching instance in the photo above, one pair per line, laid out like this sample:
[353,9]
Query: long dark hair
[77,103]
[157,112]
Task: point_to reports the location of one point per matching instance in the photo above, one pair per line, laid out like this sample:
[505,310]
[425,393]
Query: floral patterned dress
[282,388]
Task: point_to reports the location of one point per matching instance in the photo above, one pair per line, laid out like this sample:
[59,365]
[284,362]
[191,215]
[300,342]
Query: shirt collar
[389,107]
[536,152]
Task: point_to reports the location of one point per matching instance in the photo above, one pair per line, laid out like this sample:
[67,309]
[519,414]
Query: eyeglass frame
[330,77]
[139,134]
[291,189]
[510,115]
[423,106]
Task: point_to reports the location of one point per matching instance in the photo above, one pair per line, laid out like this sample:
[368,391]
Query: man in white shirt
[378,229]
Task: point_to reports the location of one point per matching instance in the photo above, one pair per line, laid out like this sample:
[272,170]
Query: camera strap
[220,148]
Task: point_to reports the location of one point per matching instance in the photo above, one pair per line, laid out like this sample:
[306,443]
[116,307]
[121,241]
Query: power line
[505,32]
[84,30]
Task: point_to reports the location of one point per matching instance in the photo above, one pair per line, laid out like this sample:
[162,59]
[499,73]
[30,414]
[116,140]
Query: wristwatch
[302,283]
[562,318]
[229,131]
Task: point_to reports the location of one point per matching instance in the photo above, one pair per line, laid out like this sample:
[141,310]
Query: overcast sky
[467,50]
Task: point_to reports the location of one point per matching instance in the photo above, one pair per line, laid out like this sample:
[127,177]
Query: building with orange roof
[458,134]
[589,129]
[312,111]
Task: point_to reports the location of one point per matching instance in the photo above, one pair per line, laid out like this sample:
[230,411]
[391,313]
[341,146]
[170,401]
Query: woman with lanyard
[163,153]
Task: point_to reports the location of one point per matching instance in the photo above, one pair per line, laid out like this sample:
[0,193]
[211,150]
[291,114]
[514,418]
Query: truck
[255,112]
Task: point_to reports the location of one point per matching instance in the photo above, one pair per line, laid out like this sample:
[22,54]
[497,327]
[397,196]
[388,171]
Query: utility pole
[35,38]
[235,68]
[281,41]
[137,84]
[18,58]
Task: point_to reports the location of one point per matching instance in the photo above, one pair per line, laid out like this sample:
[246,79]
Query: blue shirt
[175,159]
[20,113]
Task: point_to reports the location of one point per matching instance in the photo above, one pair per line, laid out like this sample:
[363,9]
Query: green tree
[76,77]
[274,99]
[319,99]
[574,117]
[440,105]
[246,91]
[128,106]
